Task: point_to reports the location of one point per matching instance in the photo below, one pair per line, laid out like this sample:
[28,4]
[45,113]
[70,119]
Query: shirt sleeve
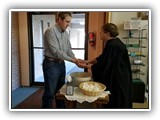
[53,46]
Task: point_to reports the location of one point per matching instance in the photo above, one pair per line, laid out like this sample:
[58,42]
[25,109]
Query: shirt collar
[59,29]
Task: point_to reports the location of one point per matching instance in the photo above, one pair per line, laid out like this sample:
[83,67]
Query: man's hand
[81,61]
[74,60]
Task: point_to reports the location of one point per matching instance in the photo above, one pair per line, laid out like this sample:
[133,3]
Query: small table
[72,104]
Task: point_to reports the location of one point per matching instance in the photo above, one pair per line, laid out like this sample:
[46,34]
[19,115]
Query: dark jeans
[54,79]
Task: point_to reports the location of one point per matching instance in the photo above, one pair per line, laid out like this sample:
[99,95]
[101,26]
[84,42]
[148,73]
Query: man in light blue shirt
[57,49]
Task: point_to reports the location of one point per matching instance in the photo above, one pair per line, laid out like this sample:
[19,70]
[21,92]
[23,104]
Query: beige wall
[96,20]
[119,17]
[24,49]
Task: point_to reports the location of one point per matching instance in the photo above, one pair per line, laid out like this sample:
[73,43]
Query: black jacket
[113,69]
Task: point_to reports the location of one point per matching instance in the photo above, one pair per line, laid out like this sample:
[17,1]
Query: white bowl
[79,77]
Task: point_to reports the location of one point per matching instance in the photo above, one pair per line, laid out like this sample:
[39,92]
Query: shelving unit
[134,43]
[136,40]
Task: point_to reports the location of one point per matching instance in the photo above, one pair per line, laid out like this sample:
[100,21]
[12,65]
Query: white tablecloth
[80,97]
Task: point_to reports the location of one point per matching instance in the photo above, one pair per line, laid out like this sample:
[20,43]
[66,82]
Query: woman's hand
[82,65]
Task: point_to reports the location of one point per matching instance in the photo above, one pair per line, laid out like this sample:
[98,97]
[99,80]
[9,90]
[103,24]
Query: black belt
[54,60]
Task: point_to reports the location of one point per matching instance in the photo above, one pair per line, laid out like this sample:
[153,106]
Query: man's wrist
[74,60]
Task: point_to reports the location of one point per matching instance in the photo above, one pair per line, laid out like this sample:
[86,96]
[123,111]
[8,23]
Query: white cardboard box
[135,24]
